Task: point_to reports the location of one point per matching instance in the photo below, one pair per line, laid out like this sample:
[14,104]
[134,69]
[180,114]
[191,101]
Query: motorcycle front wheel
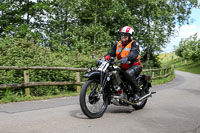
[93,104]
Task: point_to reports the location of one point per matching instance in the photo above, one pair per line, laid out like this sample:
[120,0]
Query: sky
[185,31]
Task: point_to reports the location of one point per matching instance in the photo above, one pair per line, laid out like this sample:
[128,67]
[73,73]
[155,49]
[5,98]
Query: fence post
[172,68]
[160,73]
[152,74]
[78,80]
[167,70]
[164,71]
[26,80]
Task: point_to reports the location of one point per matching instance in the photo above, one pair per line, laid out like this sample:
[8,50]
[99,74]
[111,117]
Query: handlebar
[112,62]
[119,62]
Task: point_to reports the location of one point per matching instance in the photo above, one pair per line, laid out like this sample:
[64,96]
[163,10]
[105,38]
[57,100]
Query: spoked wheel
[93,104]
[140,105]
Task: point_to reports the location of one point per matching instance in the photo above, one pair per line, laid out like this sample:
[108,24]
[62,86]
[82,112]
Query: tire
[89,97]
[140,105]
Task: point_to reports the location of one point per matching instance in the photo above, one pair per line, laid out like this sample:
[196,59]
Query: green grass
[163,80]
[189,67]
[168,59]
[19,98]
[171,59]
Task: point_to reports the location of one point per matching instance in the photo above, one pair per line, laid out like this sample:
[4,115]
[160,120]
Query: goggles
[124,34]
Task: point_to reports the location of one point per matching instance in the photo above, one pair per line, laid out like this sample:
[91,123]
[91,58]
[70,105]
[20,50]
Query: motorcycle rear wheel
[140,105]
[92,104]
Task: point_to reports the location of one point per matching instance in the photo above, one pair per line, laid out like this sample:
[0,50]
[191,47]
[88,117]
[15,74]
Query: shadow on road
[120,109]
[112,109]
[78,114]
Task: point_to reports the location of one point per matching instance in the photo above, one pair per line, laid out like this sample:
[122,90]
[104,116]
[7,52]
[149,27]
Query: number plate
[103,66]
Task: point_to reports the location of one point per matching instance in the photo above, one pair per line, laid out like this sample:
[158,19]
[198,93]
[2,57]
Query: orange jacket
[122,52]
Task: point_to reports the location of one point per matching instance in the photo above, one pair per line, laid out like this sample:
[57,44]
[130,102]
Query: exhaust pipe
[146,96]
[140,100]
[124,100]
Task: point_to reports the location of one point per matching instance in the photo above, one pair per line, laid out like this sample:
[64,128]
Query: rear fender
[146,80]
[149,84]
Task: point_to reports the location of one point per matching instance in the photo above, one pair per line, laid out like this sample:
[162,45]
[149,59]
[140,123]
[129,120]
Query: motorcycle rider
[127,50]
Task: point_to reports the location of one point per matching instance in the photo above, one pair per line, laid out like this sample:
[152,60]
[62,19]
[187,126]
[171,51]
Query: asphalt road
[175,108]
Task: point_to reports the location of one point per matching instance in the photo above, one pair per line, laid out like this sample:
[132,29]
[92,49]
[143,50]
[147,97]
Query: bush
[24,52]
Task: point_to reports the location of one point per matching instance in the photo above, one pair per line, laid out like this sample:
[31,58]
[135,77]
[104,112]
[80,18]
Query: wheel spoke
[93,90]
[92,104]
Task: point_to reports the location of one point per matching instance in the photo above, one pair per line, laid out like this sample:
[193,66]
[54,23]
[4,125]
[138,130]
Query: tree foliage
[87,25]
[68,32]
[94,22]
[189,48]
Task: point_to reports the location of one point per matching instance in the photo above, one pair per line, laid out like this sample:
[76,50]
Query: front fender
[93,75]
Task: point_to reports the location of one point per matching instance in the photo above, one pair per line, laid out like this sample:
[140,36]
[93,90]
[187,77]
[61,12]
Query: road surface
[175,108]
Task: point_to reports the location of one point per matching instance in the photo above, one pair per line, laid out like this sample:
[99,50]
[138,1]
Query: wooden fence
[163,72]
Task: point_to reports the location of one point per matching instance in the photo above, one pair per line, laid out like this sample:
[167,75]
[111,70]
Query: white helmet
[128,32]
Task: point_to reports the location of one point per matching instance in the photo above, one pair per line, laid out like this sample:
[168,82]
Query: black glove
[98,62]
[123,60]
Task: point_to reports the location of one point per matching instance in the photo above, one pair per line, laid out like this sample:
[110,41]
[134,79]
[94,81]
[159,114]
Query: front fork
[103,81]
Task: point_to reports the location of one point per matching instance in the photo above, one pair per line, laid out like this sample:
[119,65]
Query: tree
[189,48]
[87,25]
[19,18]
[156,21]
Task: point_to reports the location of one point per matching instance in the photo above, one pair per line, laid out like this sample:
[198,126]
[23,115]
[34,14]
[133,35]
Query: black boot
[136,89]
[131,77]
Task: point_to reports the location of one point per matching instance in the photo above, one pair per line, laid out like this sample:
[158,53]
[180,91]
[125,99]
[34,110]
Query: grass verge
[17,98]
[170,59]
[163,80]
[193,67]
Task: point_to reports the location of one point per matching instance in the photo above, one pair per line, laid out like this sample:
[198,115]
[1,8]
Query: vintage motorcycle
[107,85]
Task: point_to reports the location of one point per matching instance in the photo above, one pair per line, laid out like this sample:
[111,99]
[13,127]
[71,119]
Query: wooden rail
[167,72]
[32,84]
